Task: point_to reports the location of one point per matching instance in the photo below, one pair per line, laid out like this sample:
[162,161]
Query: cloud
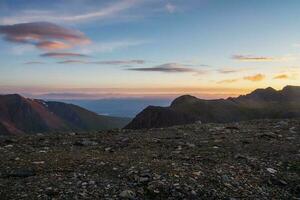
[107,11]
[167,68]
[34,63]
[108,62]
[251,58]
[73,62]
[281,76]
[255,78]
[228,71]
[171,8]
[120,62]
[43,35]
[232,70]
[52,45]
[228,81]
[62,55]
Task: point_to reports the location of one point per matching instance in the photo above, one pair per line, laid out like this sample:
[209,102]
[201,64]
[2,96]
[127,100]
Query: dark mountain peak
[291,88]
[184,99]
[267,94]
[266,91]
[291,92]
[155,116]
[12,97]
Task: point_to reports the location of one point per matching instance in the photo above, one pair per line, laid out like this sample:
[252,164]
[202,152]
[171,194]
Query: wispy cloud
[73,62]
[231,70]
[255,78]
[228,81]
[43,35]
[107,62]
[171,8]
[167,68]
[281,76]
[62,55]
[34,63]
[120,62]
[110,10]
[251,58]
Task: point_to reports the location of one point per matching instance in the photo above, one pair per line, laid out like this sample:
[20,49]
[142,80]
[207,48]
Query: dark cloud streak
[62,55]
[166,68]
[34,63]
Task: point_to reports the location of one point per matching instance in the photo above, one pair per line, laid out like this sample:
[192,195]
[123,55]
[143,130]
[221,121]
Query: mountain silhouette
[19,115]
[259,104]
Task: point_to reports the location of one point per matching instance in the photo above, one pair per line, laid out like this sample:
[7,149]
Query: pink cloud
[52,45]
[43,35]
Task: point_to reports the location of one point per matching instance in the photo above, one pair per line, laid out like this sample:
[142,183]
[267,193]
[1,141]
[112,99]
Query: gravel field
[247,160]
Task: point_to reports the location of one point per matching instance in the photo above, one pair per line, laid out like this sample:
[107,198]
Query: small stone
[38,162]
[179,148]
[271,170]
[232,128]
[293,130]
[92,182]
[127,194]
[84,183]
[72,134]
[21,173]
[85,143]
[197,173]
[283,123]
[267,135]
[144,179]
[108,149]
[190,145]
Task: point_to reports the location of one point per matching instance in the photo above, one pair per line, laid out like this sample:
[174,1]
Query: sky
[91,49]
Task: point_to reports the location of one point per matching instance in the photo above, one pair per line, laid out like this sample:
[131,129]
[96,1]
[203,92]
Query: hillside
[19,115]
[260,104]
[247,160]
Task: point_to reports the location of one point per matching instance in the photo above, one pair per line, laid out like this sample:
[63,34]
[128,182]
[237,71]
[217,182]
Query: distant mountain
[261,103]
[121,107]
[19,115]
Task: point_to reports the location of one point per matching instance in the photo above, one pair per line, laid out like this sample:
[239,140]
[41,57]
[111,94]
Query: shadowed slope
[21,115]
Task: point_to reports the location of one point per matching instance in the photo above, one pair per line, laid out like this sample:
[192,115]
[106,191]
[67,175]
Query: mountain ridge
[259,104]
[19,115]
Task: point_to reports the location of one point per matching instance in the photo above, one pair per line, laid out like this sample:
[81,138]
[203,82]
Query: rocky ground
[247,160]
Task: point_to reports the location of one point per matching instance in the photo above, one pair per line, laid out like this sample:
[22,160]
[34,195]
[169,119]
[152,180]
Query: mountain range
[20,115]
[259,104]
